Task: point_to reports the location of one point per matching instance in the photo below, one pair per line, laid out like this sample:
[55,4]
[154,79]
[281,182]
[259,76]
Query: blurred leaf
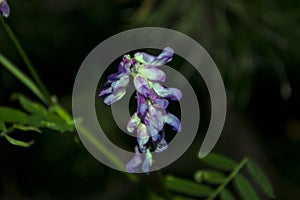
[226,195]
[49,121]
[22,77]
[260,177]
[62,113]
[210,176]
[219,162]
[245,188]
[12,115]
[187,187]
[31,106]
[2,126]
[18,142]
[182,198]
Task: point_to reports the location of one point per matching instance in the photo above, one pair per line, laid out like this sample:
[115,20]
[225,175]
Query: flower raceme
[152,102]
[4,8]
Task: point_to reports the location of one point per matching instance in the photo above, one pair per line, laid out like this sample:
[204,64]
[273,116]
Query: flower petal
[157,101]
[162,145]
[105,91]
[142,137]
[142,106]
[171,93]
[152,73]
[152,131]
[164,57]
[142,85]
[133,122]
[173,121]
[122,82]
[156,117]
[115,96]
[147,162]
[4,8]
[135,162]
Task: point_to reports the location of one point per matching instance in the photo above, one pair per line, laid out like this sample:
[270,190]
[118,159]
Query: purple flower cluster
[152,102]
[4,8]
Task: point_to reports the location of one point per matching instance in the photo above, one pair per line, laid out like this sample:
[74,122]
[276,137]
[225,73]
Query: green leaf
[245,188]
[187,187]
[31,106]
[60,111]
[18,142]
[219,162]
[49,121]
[12,115]
[226,195]
[260,178]
[22,77]
[209,176]
[2,126]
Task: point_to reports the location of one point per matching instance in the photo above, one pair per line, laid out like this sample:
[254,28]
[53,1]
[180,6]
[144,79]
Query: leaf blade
[226,195]
[219,162]
[187,187]
[244,188]
[260,178]
[12,115]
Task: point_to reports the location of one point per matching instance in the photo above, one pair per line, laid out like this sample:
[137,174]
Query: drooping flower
[152,103]
[115,86]
[4,8]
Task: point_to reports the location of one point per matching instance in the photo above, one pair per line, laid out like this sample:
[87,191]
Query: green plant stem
[97,144]
[235,171]
[22,77]
[26,60]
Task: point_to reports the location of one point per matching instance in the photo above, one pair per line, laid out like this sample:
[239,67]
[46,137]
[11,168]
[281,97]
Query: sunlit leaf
[50,121]
[209,176]
[226,195]
[18,142]
[261,178]
[219,162]
[12,115]
[187,187]
[245,188]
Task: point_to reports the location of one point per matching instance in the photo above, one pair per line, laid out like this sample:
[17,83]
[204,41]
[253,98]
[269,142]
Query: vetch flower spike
[4,8]
[151,114]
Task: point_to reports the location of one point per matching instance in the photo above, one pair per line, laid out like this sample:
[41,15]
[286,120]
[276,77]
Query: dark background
[254,44]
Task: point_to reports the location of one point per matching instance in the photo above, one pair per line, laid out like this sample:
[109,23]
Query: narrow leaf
[260,178]
[226,195]
[219,162]
[245,188]
[22,77]
[187,187]
[31,106]
[18,142]
[213,177]
[12,115]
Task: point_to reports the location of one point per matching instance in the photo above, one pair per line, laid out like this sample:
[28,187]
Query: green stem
[26,60]
[97,144]
[235,171]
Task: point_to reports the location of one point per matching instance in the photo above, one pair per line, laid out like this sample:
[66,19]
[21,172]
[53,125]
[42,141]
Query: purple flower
[152,114]
[4,8]
[115,87]
[135,162]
